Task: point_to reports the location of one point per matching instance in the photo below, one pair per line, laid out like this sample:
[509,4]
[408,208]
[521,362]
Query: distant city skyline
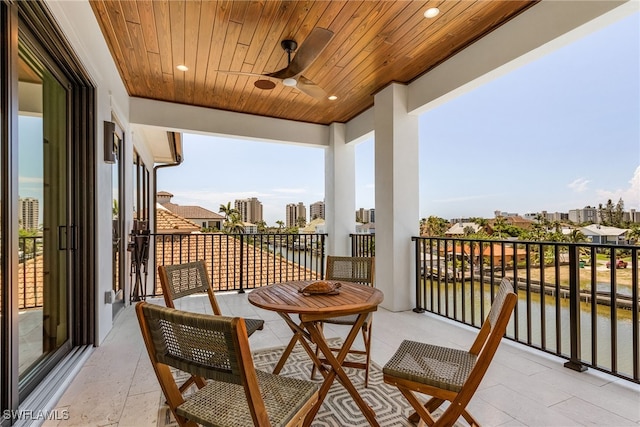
[557,134]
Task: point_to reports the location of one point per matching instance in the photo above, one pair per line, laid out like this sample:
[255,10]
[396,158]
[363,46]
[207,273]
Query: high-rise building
[250,210]
[28,213]
[362,215]
[316,210]
[587,214]
[366,216]
[296,215]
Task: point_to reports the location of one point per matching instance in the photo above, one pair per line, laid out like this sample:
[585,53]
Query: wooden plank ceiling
[373,43]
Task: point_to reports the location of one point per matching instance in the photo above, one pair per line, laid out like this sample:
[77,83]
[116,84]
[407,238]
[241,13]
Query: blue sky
[30,159]
[557,134]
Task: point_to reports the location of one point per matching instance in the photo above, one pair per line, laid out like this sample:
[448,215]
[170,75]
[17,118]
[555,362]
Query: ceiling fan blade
[306,53]
[241,73]
[264,82]
[310,88]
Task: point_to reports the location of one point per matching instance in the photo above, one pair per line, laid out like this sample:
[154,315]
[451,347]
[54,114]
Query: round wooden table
[353,299]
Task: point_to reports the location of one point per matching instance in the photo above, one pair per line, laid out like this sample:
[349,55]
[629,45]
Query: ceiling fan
[304,56]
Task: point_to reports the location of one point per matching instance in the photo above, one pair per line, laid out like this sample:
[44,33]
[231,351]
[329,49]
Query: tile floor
[117,387]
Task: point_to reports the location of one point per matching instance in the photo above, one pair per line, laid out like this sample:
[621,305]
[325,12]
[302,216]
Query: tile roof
[459,228]
[602,230]
[30,283]
[170,222]
[516,220]
[196,212]
[222,255]
[175,244]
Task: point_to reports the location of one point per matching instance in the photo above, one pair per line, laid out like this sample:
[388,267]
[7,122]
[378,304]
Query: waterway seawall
[623,301]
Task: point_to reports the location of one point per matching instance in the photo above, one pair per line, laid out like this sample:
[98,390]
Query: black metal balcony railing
[30,272]
[244,261]
[363,245]
[572,300]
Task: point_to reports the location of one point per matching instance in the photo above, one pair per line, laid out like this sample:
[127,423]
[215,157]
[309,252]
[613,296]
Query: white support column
[340,191]
[397,196]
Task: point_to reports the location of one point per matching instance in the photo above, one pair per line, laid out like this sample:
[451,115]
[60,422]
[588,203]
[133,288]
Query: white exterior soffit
[208,121]
[155,140]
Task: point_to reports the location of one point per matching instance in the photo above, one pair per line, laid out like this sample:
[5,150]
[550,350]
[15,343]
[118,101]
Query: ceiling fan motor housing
[289,45]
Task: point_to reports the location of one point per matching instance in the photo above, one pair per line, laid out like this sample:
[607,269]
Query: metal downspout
[177,155]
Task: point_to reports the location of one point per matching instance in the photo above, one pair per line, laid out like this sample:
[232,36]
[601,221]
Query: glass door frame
[32,21]
[115,136]
[9,395]
[28,382]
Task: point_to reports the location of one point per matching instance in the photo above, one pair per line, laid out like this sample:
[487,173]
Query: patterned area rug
[338,408]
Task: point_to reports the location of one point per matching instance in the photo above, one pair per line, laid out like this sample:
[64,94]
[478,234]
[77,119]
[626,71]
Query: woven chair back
[498,301]
[186,279]
[180,280]
[495,325]
[197,343]
[350,269]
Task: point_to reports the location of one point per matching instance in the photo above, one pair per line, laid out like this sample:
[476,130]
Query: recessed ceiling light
[431,12]
[182,67]
[332,98]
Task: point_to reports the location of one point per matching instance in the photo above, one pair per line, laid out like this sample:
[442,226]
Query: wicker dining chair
[181,280]
[356,270]
[217,348]
[449,374]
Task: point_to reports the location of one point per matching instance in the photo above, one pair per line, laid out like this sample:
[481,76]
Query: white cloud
[30,180]
[630,196]
[579,185]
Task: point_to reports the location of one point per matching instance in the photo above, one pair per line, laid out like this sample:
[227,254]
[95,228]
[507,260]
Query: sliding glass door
[47,206]
[45,234]
[117,213]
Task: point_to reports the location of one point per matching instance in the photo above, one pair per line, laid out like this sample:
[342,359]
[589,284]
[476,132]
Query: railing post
[322,236]
[241,291]
[574,311]
[419,308]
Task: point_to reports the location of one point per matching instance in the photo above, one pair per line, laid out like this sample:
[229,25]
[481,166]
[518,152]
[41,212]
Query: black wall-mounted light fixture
[113,137]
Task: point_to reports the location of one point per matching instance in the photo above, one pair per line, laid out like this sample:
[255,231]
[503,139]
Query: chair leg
[421,413]
[314,368]
[430,405]
[366,336]
[198,381]
[188,383]
[472,421]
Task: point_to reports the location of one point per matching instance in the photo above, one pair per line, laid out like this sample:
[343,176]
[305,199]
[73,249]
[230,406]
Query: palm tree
[262,226]
[576,236]
[436,226]
[634,234]
[227,210]
[280,225]
[499,225]
[234,224]
[423,226]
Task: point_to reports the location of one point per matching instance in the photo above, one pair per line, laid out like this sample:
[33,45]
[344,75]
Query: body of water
[539,327]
